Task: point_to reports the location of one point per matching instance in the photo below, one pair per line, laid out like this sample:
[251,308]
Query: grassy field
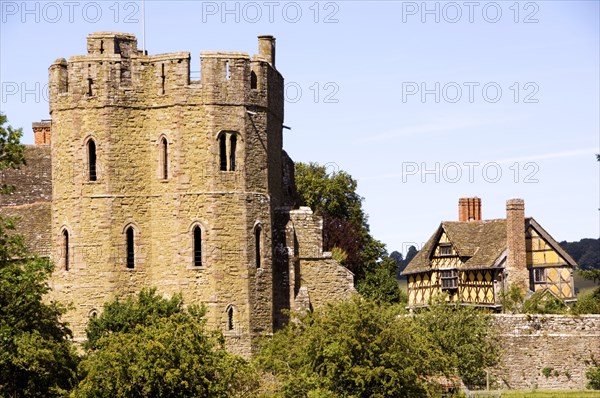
[548,394]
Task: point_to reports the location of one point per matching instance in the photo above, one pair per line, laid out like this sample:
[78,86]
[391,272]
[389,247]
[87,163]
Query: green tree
[465,336]
[155,347]
[354,349]
[36,357]
[360,348]
[543,302]
[122,316]
[589,303]
[12,153]
[380,283]
[333,196]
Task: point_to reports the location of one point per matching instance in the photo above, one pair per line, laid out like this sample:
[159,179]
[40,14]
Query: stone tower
[161,180]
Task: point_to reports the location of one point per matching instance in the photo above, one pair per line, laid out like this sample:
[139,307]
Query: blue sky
[421,102]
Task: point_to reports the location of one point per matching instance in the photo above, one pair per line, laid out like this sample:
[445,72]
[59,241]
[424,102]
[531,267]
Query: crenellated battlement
[114,72]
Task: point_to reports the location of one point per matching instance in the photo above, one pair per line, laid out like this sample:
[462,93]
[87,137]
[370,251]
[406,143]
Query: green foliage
[353,349]
[592,275]
[547,372]
[593,375]
[36,359]
[360,348]
[332,195]
[339,255]
[465,335]
[511,299]
[380,284]
[154,347]
[12,152]
[544,302]
[125,315]
[588,303]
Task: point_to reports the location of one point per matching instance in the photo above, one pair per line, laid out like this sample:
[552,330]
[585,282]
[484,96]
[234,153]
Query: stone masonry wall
[562,345]
[128,103]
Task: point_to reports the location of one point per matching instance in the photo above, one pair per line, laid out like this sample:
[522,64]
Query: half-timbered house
[474,260]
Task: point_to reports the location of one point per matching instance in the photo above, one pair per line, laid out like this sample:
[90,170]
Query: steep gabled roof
[479,244]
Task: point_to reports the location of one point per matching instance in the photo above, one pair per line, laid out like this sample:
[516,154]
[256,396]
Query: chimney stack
[516,266]
[469,209]
[266,48]
[41,132]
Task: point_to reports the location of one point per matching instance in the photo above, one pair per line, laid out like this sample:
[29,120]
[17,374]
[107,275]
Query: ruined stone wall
[562,345]
[315,279]
[127,103]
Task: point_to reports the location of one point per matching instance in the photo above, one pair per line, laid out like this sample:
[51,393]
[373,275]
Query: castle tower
[161,180]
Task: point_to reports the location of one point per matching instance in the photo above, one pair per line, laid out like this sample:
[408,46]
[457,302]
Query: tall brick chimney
[469,209]
[41,132]
[516,266]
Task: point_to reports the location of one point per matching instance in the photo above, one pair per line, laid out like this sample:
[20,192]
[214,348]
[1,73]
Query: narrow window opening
[90,84]
[253,80]
[257,237]
[130,248]
[92,160]
[101,46]
[164,158]
[227,70]
[230,318]
[163,77]
[232,152]
[197,246]
[223,152]
[539,275]
[66,248]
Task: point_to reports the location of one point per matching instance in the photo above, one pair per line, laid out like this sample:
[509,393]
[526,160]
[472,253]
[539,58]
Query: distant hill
[586,252]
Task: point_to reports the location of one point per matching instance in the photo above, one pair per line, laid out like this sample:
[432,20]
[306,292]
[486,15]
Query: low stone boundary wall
[546,351]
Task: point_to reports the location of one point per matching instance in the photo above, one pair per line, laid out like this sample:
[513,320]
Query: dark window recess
[197,246]
[230,318]
[164,158]
[66,248]
[449,279]
[92,160]
[539,275]
[163,78]
[257,237]
[232,152]
[253,80]
[90,87]
[445,250]
[223,152]
[130,248]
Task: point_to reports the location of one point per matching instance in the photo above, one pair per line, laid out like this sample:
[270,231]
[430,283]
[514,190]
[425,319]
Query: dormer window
[445,250]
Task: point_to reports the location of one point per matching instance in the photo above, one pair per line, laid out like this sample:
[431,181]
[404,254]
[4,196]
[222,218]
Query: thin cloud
[553,155]
[426,128]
